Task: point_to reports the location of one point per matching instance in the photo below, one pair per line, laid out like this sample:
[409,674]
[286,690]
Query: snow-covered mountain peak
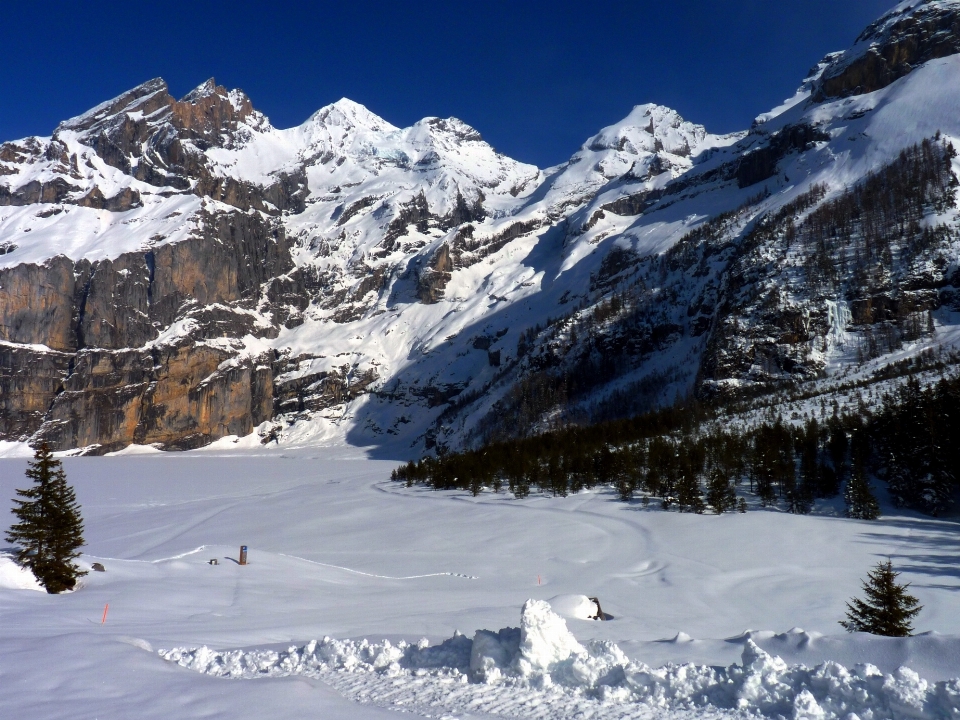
[146,98]
[345,145]
[652,145]
[650,128]
[347,114]
[451,127]
[204,89]
[209,112]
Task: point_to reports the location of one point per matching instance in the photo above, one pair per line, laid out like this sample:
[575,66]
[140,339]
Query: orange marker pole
[105,608]
[538,579]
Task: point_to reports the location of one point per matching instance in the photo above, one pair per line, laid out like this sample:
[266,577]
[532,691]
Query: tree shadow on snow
[929,548]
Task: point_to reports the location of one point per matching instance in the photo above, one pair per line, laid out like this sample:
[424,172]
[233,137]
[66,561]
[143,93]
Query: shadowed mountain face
[177,271]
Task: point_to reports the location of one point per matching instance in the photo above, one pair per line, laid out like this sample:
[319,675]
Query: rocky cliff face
[177,271]
[903,39]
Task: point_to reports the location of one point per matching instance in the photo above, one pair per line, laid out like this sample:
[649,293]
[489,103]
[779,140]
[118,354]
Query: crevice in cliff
[82,311]
[151,263]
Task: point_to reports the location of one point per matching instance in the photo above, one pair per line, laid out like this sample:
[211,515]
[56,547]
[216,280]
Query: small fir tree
[50,530]
[887,610]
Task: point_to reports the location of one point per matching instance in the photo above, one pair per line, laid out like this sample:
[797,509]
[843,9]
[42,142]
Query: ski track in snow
[380,577]
[151,562]
[295,557]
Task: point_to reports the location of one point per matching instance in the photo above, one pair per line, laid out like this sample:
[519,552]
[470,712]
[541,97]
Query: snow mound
[578,607]
[541,664]
[14,577]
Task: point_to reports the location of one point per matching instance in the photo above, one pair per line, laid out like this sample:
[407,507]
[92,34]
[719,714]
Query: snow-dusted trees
[50,529]
[677,454]
[887,610]
[916,439]
[859,498]
[720,493]
[773,461]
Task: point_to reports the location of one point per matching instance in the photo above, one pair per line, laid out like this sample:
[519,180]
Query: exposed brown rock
[37,304]
[146,98]
[124,200]
[29,381]
[113,303]
[116,389]
[148,134]
[434,278]
[56,191]
[177,396]
[208,111]
[236,254]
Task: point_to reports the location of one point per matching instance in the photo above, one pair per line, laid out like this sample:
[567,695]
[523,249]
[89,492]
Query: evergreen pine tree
[837,447]
[50,529]
[689,495]
[720,493]
[888,608]
[800,499]
[860,500]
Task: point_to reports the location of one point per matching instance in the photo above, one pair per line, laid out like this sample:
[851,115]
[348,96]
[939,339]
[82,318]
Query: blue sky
[535,78]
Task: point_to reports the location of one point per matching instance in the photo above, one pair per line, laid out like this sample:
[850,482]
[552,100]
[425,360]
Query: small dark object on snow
[213,561]
[98,567]
[243,554]
[599,615]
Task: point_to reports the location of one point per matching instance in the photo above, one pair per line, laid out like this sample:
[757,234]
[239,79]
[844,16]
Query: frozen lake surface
[337,551]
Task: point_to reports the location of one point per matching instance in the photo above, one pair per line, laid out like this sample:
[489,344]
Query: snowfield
[363,597]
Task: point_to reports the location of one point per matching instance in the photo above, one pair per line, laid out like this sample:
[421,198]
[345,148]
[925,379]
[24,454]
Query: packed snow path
[331,542]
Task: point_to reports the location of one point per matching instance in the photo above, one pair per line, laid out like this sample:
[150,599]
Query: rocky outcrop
[37,304]
[296,392]
[106,386]
[891,48]
[55,191]
[234,256]
[433,279]
[179,396]
[156,139]
[123,302]
[29,381]
[762,163]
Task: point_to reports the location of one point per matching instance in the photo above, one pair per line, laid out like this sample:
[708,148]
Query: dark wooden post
[243,554]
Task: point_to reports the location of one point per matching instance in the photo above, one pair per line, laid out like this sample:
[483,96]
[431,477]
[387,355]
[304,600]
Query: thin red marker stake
[538,579]
[105,608]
